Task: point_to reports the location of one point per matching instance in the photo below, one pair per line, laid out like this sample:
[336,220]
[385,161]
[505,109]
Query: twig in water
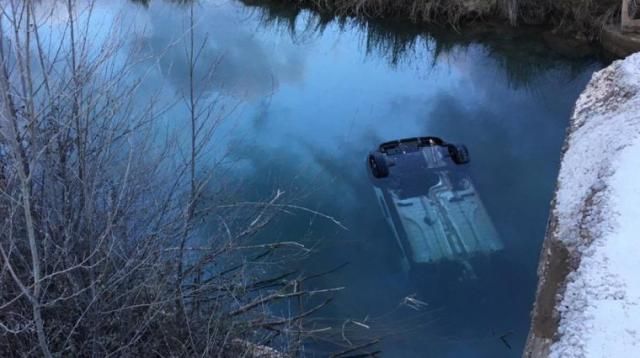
[503,338]
[412,302]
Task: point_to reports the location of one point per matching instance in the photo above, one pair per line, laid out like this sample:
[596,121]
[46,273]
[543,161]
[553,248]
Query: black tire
[459,153]
[378,165]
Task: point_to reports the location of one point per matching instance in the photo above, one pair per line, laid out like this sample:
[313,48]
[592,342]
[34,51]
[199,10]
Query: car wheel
[378,165]
[459,153]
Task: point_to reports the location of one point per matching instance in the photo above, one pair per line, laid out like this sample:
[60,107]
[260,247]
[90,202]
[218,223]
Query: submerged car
[429,201]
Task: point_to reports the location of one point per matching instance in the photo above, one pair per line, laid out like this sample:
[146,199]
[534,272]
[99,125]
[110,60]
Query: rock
[630,16]
[588,297]
[619,43]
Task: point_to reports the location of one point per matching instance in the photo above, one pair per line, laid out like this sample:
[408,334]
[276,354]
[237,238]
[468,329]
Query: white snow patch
[598,211]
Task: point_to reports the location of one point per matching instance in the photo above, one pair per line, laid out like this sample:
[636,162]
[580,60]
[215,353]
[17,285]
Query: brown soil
[555,265]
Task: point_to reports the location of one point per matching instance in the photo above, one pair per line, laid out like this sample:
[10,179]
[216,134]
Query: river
[312,95]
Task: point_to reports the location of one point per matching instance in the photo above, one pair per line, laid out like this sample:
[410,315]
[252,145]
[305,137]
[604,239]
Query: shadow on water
[522,53]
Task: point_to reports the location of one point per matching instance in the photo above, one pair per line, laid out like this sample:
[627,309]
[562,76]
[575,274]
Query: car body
[429,201]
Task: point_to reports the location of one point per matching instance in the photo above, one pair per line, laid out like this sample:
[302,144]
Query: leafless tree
[100,254]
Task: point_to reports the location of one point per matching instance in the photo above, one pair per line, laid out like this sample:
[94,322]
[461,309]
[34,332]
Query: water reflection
[319,92]
[232,59]
[399,40]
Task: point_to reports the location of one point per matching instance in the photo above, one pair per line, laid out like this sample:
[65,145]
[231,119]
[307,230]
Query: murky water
[315,95]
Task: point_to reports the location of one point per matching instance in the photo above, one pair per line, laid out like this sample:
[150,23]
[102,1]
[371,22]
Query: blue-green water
[315,95]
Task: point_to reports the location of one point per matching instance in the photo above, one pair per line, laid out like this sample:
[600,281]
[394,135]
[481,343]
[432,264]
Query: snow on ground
[598,211]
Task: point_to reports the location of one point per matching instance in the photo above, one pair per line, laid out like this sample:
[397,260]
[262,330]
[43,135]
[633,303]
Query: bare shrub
[100,251]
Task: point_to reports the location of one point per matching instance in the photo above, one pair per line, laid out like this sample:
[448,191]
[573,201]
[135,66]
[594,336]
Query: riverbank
[583,18]
[588,299]
[572,22]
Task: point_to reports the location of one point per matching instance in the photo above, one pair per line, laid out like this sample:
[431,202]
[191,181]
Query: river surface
[312,95]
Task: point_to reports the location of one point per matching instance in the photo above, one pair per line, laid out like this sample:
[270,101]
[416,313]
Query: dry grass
[584,18]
